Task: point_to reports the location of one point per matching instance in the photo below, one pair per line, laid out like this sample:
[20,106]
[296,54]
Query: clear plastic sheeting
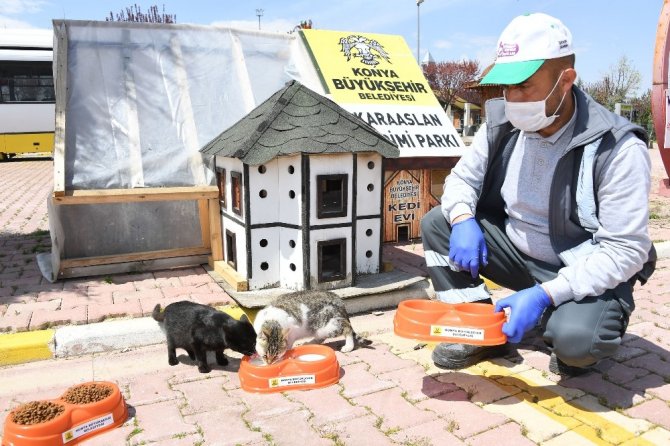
[142,99]
[136,102]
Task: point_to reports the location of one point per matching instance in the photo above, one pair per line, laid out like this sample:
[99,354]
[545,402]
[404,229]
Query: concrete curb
[77,340]
[73,340]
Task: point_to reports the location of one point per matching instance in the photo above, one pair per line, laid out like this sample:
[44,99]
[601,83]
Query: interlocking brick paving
[390,394]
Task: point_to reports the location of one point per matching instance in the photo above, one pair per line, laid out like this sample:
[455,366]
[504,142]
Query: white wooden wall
[277,252]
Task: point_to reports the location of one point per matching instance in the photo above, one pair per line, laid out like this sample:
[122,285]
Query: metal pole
[418,31]
[259,13]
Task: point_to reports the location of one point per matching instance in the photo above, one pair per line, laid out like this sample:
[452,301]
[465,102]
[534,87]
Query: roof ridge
[255,138]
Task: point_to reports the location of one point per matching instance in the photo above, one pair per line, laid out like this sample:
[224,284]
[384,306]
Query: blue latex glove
[467,246]
[526,308]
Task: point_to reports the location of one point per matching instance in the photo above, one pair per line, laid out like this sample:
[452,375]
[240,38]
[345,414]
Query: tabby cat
[301,314]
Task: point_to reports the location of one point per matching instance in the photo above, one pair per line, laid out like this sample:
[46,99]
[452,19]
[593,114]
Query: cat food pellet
[36,412]
[87,393]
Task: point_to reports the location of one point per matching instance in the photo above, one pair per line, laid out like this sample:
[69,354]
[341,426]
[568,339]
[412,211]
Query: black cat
[198,328]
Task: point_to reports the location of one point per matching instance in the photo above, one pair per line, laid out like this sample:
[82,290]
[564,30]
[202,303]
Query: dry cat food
[36,412]
[87,393]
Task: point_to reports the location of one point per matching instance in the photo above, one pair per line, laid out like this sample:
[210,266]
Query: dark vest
[565,229]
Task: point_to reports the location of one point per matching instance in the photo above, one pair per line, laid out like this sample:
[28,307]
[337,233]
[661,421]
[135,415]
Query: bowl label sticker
[283,381]
[457,332]
[90,426]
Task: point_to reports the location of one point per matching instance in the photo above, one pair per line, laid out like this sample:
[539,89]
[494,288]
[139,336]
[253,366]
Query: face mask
[532,116]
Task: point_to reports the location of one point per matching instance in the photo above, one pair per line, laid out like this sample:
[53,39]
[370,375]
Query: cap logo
[562,44]
[507,49]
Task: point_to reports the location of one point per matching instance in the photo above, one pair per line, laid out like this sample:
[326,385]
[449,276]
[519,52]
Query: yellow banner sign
[368,68]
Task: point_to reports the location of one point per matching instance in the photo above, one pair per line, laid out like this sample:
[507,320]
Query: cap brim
[511,73]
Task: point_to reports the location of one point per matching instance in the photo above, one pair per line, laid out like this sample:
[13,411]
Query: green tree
[134,14]
[642,112]
[619,84]
[449,79]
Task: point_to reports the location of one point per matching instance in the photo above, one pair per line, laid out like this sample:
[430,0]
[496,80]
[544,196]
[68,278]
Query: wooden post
[203,213]
[216,240]
[60,31]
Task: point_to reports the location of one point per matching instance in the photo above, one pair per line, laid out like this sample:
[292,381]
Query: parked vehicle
[27,98]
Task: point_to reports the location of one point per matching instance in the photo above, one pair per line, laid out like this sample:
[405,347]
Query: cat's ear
[244,318]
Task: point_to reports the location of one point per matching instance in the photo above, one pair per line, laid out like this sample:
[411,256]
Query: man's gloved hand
[526,308]
[467,246]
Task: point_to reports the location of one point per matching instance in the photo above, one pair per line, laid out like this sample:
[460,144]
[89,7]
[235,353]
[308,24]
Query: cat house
[300,188]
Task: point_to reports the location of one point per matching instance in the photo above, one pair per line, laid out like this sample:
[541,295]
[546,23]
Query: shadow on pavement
[617,383]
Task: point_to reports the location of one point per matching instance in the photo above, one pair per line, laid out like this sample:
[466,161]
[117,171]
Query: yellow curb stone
[237,311]
[17,348]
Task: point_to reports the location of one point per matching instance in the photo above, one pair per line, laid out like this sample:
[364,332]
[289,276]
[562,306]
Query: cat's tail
[157,314]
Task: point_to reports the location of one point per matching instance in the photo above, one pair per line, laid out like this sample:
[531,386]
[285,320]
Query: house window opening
[221,182]
[332,260]
[236,192]
[332,196]
[402,233]
[231,250]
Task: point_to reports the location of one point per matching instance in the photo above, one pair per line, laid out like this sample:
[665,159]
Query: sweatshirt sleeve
[463,185]
[622,236]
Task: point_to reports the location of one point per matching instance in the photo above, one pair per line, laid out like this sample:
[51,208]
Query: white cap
[525,44]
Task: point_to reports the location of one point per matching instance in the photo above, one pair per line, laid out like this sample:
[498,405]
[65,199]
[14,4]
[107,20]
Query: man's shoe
[558,367]
[459,356]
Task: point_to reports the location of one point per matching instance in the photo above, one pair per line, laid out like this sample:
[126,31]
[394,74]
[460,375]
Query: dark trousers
[580,332]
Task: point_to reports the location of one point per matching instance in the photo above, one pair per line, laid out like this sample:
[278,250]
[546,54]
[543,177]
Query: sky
[603,30]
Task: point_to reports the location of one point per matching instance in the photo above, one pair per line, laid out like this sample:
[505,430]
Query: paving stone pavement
[390,393]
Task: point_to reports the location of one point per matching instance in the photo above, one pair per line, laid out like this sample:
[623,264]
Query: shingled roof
[297,120]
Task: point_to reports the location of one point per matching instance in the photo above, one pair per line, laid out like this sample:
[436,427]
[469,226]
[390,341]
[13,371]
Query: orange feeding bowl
[303,367]
[467,323]
[76,423]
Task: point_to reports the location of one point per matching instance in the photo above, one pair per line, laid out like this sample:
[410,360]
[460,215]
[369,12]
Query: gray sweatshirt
[623,197]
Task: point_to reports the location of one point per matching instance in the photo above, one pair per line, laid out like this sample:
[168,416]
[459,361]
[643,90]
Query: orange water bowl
[435,321]
[304,367]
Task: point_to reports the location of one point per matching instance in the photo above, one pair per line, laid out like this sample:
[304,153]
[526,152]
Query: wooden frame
[207,197]
[208,207]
